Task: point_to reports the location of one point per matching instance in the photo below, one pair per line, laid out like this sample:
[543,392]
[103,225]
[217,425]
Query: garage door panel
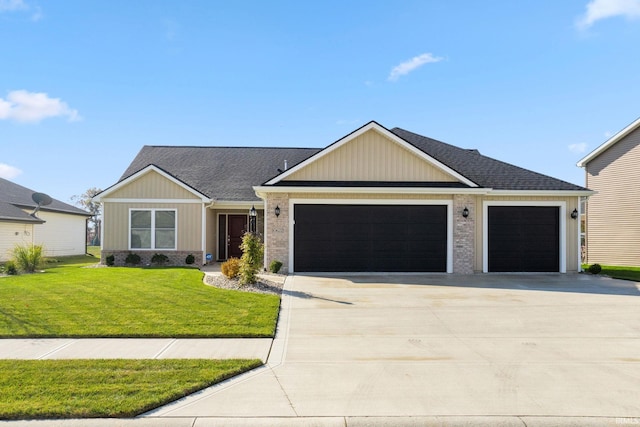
[523,238]
[370,238]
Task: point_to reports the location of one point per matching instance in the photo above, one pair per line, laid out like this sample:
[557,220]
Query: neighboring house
[59,227]
[375,200]
[613,212]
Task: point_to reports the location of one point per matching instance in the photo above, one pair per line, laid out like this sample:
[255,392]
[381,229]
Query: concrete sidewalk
[136,348]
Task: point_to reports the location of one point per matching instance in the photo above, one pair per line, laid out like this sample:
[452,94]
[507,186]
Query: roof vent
[285,165]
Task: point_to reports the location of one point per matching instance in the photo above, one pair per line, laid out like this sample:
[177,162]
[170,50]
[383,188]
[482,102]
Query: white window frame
[153,229]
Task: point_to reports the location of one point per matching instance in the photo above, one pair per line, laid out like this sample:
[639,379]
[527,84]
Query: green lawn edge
[618,272]
[123,388]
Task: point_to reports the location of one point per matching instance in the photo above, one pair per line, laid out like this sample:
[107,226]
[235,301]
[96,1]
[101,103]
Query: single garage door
[524,238]
[360,238]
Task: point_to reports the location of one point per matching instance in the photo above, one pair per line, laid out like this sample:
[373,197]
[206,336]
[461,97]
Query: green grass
[94,250]
[36,389]
[626,273]
[69,301]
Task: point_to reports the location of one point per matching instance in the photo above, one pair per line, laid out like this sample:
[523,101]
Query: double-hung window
[152,229]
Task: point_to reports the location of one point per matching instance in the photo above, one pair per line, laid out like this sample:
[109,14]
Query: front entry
[231,228]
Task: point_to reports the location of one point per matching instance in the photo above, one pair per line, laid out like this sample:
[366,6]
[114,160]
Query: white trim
[533,203]
[204,234]
[385,132]
[174,201]
[258,204]
[442,202]
[262,190]
[143,172]
[542,193]
[153,229]
[608,143]
[579,233]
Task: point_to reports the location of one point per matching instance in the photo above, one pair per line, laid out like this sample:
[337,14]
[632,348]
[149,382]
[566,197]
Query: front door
[236,228]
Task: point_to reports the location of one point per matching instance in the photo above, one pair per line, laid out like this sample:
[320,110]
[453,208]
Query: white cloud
[12,5]
[578,148]
[32,107]
[410,65]
[8,171]
[602,9]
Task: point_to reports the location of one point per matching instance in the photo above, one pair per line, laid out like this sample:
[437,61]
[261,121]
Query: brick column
[277,230]
[463,234]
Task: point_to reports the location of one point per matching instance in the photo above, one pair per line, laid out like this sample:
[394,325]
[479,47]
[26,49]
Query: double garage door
[413,238]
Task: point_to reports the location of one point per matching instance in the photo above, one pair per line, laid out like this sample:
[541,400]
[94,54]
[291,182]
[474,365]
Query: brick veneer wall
[176,258]
[463,234]
[277,231]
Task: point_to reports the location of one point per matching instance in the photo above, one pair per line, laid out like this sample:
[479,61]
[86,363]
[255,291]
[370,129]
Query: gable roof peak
[609,142]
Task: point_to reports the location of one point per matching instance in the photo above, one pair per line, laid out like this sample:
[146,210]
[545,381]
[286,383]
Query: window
[152,229]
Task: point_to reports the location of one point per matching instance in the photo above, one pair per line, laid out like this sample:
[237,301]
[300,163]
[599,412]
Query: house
[612,213]
[377,199]
[59,227]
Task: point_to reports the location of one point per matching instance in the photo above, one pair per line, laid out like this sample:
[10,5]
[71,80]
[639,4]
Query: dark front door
[343,238]
[237,226]
[524,238]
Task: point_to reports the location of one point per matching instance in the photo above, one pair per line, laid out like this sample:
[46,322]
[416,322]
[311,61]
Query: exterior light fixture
[277,211]
[252,219]
[465,212]
[574,214]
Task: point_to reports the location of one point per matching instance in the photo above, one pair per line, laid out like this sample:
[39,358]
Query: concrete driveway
[445,345]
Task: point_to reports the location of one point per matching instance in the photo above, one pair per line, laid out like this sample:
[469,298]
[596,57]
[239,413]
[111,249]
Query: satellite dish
[40,199]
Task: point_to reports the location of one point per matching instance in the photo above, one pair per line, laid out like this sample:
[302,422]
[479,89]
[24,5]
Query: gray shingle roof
[221,173]
[14,196]
[483,170]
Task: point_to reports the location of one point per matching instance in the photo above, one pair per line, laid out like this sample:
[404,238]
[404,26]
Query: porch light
[465,212]
[277,211]
[252,219]
[574,214]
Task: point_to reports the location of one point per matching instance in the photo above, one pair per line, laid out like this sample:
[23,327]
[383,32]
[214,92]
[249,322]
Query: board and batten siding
[571,234]
[613,213]
[152,185]
[116,224]
[370,157]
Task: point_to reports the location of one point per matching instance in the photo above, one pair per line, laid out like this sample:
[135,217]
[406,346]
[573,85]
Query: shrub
[190,259]
[159,259]
[231,268]
[275,266]
[595,268]
[110,259]
[133,259]
[27,258]
[252,258]
[10,268]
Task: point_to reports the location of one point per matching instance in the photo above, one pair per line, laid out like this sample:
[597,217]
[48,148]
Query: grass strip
[50,389]
[70,301]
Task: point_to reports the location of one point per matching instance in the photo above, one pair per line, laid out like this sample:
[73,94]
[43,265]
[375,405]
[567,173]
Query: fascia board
[142,172]
[608,143]
[387,133]
[263,189]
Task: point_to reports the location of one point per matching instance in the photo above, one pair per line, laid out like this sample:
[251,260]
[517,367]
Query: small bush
[133,259]
[28,258]
[275,266]
[190,259]
[231,268]
[595,268]
[111,260]
[252,258]
[159,259]
[10,268]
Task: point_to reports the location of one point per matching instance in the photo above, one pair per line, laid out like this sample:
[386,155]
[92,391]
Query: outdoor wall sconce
[252,219]
[277,211]
[574,214]
[465,212]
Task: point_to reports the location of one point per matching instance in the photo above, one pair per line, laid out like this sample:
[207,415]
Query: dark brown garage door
[359,238]
[524,239]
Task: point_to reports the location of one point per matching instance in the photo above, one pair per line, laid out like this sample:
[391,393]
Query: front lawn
[68,300]
[626,273]
[32,389]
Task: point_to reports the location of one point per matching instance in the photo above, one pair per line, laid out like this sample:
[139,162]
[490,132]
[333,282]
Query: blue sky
[85,84]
